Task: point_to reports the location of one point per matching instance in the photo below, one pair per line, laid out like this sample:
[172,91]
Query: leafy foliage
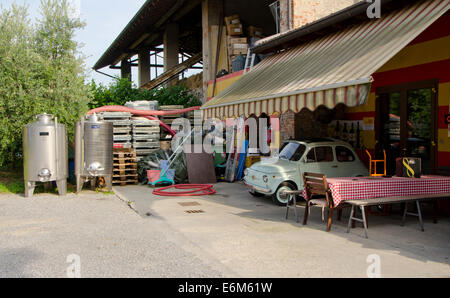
[41,70]
[123,90]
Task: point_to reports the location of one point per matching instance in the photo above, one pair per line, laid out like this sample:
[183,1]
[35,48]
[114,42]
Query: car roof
[319,141]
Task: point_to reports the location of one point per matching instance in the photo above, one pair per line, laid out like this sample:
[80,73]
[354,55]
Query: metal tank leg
[93,183]
[62,187]
[80,183]
[29,189]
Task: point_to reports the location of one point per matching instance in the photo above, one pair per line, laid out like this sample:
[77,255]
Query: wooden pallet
[125,167]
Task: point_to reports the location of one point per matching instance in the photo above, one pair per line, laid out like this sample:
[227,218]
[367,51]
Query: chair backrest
[374,163]
[317,184]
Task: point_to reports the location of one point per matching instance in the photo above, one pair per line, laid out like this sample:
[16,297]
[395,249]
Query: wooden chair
[292,199]
[319,194]
[374,163]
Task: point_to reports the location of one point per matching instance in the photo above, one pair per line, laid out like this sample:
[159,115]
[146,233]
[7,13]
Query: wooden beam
[169,14]
[150,35]
[173,72]
[187,9]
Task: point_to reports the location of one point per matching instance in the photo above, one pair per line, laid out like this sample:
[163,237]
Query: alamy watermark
[229,136]
[374,10]
[74,269]
[374,269]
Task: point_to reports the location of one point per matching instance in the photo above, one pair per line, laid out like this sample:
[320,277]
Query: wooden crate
[125,167]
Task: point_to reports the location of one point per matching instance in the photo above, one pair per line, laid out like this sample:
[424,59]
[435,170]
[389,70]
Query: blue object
[242,158]
[238,63]
[72,171]
[167,175]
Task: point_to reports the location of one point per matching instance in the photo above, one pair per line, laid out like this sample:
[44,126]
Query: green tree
[41,70]
[121,91]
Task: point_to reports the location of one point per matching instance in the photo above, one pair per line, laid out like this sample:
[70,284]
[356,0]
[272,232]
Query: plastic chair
[374,163]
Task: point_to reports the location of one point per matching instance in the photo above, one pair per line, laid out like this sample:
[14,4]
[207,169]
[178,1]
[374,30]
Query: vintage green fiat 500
[330,157]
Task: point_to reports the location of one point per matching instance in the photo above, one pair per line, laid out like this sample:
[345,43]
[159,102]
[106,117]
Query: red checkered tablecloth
[346,189]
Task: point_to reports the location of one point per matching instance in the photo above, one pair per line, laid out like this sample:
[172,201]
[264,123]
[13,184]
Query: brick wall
[308,124]
[287,126]
[297,13]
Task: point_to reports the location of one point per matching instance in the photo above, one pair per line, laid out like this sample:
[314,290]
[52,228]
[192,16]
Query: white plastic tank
[45,154]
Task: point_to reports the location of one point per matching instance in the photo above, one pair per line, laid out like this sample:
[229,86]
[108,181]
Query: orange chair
[374,163]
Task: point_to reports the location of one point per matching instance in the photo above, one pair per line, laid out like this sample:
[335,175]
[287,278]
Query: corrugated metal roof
[331,70]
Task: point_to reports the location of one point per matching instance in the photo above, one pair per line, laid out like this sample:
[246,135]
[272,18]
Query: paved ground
[236,236]
[251,237]
[37,235]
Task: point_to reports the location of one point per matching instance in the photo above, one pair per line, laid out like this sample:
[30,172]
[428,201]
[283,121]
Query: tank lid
[94,118]
[45,118]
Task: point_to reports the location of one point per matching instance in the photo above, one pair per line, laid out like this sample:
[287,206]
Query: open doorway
[407,123]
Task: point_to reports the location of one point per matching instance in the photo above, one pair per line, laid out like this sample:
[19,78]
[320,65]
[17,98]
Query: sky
[105,19]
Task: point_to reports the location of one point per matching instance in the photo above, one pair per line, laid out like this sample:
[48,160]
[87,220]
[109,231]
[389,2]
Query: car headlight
[265,178]
[246,172]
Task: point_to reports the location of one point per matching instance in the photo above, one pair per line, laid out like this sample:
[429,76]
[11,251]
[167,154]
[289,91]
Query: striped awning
[335,69]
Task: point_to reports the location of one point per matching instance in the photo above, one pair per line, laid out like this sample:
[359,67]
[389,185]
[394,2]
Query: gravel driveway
[37,235]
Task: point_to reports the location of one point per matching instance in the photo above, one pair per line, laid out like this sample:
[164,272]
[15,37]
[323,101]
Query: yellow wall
[223,83]
[414,55]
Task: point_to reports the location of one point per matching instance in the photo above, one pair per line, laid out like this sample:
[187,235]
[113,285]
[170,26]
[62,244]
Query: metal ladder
[249,61]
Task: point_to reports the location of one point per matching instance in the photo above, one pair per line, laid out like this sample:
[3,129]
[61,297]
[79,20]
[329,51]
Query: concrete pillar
[125,69]
[144,68]
[171,48]
[212,10]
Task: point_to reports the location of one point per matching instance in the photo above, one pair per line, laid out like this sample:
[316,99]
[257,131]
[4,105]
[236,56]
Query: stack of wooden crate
[146,136]
[125,167]
[169,119]
[122,128]
[192,116]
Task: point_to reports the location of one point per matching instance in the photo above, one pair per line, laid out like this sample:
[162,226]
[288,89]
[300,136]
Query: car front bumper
[258,189]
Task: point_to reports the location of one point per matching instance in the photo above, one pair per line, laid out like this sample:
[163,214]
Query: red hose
[145,114]
[142,113]
[191,190]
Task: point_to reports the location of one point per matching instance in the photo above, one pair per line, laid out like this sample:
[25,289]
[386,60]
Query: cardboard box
[238,40]
[240,52]
[239,48]
[409,167]
[233,20]
[253,31]
[235,30]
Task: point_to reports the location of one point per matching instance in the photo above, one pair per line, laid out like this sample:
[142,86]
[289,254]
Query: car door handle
[335,167]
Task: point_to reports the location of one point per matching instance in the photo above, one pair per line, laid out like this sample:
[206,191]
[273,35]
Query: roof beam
[152,33]
[173,72]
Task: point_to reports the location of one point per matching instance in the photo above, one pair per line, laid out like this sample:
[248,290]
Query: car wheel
[280,200]
[256,194]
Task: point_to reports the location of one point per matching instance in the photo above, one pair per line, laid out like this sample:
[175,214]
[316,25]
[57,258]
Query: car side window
[344,154]
[320,154]
[299,153]
[311,157]
[324,154]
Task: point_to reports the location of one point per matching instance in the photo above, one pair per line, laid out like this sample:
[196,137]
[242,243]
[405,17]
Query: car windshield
[292,151]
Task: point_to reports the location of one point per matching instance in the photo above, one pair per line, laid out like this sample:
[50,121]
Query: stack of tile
[196,115]
[169,119]
[122,128]
[146,136]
